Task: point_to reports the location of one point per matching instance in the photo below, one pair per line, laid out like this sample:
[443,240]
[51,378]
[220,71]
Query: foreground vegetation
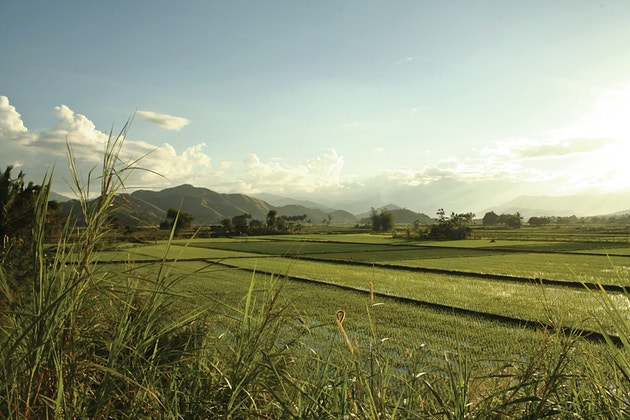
[298,328]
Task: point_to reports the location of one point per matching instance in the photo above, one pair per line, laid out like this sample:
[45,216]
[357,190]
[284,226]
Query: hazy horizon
[460,105]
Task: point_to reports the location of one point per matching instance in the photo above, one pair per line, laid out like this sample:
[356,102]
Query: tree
[538,221]
[417,228]
[257,227]
[178,220]
[490,219]
[17,213]
[272,219]
[228,226]
[453,227]
[511,220]
[461,219]
[376,220]
[241,223]
[16,206]
[383,221]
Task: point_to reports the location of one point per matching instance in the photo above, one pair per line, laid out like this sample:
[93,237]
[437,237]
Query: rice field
[324,273]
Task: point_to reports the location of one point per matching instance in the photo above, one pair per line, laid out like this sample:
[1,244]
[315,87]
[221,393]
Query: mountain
[316,215]
[144,207]
[401,215]
[409,216]
[129,210]
[580,205]
[57,197]
[210,207]
[280,201]
[207,206]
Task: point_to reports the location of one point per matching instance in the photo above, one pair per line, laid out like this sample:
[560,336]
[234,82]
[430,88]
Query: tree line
[239,225]
[454,226]
[516,220]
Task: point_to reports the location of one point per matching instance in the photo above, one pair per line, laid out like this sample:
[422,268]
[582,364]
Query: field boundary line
[488,276]
[590,335]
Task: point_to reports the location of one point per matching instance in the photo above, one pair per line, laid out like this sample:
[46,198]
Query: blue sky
[454,104]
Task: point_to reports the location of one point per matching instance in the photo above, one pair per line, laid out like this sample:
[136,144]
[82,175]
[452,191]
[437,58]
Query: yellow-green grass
[527,301]
[293,247]
[571,267]
[404,329]
[157,252]
[554,266]
[578,308]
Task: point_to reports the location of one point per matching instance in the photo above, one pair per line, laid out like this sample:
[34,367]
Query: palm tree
[16,205]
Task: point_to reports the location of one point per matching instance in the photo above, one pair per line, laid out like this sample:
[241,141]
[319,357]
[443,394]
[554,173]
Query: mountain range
[207,206]
[210,207]
[581,205]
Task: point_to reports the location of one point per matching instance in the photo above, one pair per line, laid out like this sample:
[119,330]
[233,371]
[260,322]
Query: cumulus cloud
[11,125]
[162,166]
[520,160]
[37,153]
[273,176]
[158,165]
[76,130]
[326,168]
[170,122]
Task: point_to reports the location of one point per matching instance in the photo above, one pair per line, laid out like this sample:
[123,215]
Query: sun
[609,117]
[606,123]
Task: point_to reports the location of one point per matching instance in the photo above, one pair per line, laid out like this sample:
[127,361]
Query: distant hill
[279,201]
[129,210]
[206,205]
[401,215]
[316,215]
[58,197]
[579,205]
[144,207]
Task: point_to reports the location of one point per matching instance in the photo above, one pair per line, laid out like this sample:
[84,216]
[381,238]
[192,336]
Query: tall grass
[87,343]
[78,347]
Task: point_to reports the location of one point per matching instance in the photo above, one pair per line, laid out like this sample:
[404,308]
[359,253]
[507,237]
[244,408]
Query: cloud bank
[546,165]
[160,166]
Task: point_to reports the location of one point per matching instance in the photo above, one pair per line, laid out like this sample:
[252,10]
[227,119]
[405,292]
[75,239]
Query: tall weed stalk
[83,343]
[615,390]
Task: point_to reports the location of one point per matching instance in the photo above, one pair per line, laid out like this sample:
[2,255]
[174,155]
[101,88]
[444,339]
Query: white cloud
[170,122]
[554,162]
[318,172]
[11,126]
[326,169]
[162,166]
[85,140]
[159,166]
[37,153]
[564,163]
[547,148]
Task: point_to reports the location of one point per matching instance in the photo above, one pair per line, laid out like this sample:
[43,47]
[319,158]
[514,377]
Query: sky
[425,104]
